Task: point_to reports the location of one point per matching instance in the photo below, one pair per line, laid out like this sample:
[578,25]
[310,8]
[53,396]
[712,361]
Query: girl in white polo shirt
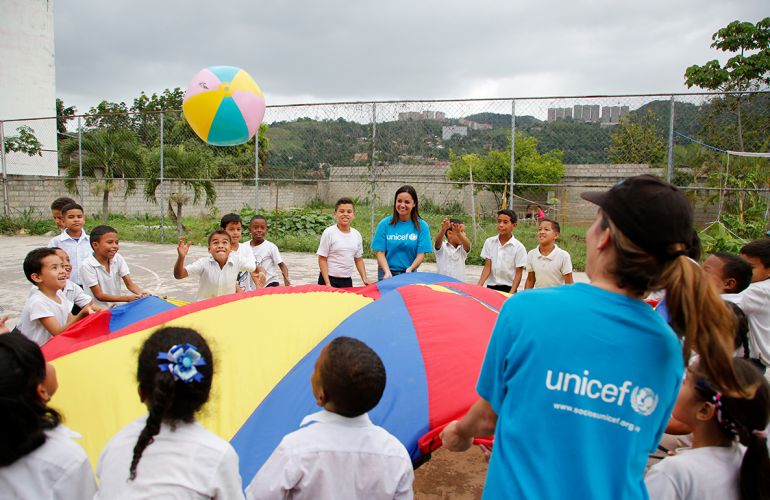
[38,457]
[167,454]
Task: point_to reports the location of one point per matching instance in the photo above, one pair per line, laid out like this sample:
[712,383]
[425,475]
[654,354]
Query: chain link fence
[466,158]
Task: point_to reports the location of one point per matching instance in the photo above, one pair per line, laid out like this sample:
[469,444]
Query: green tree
[637,140]
[25,142]
[108,154]
[747,69]
[492,171]
[63,115]
[185,169]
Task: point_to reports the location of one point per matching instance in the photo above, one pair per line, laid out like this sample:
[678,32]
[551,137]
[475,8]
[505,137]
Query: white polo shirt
[341,250]
[333,457]
[267,255]
[58,469]
[505,259]
[187,462]
[78,250]
[450,261]
[216,281]
[93,273]
[755,302]
[549,269]
[72,292]
[246,255]
[39,306]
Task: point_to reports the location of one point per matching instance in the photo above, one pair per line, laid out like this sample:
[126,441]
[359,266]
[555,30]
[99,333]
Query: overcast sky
[332,50]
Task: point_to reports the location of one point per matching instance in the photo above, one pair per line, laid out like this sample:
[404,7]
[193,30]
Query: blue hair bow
[183,361]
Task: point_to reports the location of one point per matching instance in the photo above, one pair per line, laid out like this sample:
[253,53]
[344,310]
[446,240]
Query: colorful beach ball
[224,105]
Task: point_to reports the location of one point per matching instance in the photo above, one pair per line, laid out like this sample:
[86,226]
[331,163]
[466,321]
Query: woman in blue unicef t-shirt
[401,240]
[579,381]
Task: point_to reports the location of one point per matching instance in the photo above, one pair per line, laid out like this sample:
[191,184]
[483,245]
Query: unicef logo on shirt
[644,400]
[412,237]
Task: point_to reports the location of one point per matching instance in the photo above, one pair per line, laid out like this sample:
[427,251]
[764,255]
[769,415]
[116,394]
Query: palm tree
[185,169]
[107,154]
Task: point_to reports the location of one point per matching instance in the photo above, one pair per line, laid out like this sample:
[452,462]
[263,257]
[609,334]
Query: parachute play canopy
[430,336]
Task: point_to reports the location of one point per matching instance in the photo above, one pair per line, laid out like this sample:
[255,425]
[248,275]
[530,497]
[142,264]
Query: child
[338,452]
[266,253]
[218,272]
[167,454]
[56,207]
[504,256]
[104,272]
[755,301]
[73,239]
[548,265]
[340,249]
[38,457]
[717,466]
[73,292]
[233,225]
[451,254]
[46,312]
[731,273]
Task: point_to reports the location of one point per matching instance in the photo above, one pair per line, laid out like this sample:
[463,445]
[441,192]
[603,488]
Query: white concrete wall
[28,80]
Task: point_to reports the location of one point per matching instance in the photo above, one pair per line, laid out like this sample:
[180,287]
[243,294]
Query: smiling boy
[341,249]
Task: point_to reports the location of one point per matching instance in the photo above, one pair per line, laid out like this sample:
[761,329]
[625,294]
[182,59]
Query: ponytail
[700,317]
[170,399]
[159,402]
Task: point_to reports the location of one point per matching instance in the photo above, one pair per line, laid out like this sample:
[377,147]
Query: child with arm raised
[451,254]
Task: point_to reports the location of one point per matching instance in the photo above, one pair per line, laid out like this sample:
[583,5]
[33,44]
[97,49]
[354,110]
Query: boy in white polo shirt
[104,273]
[218,272]
[547,264]
[73,239]
[341,249]
[451,254]
[504,256]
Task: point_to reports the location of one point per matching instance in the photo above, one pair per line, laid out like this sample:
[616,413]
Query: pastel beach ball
[224,105]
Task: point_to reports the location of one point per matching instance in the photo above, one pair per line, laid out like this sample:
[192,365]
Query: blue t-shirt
[401,242]
[583,382]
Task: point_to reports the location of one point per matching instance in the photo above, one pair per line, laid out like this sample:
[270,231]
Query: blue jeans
[381,273]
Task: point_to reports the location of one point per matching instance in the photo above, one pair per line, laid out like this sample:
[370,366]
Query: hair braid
[162,396]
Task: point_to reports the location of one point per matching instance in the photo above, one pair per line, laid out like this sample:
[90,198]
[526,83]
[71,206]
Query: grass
[147,228]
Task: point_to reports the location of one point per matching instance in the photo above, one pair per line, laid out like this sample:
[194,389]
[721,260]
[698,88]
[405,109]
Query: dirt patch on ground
[455,476]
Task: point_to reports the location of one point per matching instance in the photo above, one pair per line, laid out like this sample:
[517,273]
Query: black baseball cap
[650,212]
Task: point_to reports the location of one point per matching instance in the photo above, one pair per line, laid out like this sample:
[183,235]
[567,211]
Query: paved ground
[151,267]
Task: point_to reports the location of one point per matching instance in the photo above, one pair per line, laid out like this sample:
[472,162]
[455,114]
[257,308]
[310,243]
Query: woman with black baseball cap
[570,370]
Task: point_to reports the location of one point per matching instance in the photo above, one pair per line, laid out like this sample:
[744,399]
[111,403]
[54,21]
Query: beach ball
[224,105]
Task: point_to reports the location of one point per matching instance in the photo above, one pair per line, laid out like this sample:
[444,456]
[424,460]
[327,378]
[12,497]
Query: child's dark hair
[554,225]
[741,328]
[736,268]
[353,376]
[33,262]
[343,201]
[509,213]
[99,231]
[229,219]
[169,400]
[744,418]
[257,217]
[24,417]
[70,206]
[221,232]
[62,202]
[759,249]
[406,188]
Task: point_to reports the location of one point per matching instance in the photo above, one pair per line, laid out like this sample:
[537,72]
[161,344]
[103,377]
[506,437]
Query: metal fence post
[162,186]
[80,164]
[6,205]
[256,172]
[373,176]
[513,150]
[473,202]
[670,169]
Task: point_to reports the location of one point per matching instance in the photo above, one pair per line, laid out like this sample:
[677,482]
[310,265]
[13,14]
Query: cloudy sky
[332,50]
